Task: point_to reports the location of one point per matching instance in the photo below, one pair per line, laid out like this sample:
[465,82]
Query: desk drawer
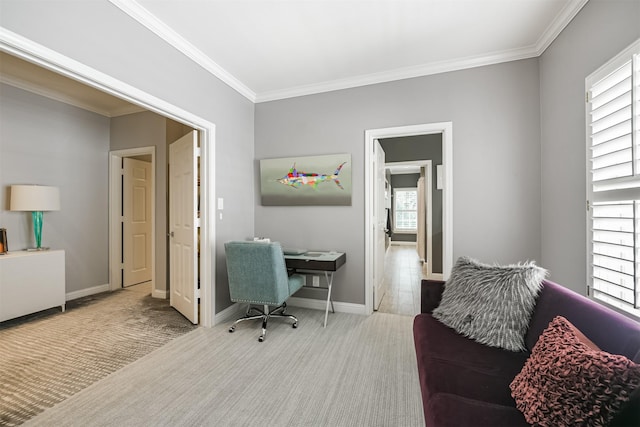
[312,264]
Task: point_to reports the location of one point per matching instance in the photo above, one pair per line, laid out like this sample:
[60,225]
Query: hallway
[403,273]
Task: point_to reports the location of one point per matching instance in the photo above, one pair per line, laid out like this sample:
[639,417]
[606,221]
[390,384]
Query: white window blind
[611,132]
[613,181]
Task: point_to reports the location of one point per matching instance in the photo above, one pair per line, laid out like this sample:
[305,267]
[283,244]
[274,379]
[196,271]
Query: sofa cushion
[451,363]
[450,410]
[569,380]
[491,304]
[611,331]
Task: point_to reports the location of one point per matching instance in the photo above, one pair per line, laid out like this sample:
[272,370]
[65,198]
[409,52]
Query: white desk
[328,262]
[31,282]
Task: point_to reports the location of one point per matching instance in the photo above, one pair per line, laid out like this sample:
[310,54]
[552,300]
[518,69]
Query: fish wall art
[306,181]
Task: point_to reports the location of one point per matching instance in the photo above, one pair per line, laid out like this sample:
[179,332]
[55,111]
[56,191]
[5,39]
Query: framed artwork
[306,181]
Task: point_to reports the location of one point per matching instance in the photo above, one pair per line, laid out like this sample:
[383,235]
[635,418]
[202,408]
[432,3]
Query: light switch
[220,203]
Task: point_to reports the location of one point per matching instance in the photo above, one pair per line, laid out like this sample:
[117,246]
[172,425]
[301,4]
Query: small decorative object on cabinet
[4,246]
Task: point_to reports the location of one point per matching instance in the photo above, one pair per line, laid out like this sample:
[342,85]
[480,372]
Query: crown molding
[400,74]
[563,19]
[162,30]
[554,29]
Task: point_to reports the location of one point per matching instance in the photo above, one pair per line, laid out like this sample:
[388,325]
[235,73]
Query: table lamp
[35,198]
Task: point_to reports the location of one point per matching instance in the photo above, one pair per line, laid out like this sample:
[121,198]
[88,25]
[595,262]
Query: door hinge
[197,151]
[588,206]
[197,223]
[586,97]
[197,293]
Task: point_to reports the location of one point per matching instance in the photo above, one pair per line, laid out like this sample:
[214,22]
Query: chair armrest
[430,294]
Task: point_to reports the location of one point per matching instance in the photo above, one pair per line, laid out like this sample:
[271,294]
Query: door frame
[33,52]
[115,209]
[444,128]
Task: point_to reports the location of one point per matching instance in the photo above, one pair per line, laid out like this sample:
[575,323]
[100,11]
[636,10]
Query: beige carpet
[359,371]
[49,356]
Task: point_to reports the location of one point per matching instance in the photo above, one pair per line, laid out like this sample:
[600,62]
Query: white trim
[160,294]
[33,52]
[115,217]
[399,74]
[554,29]
[402,243]
[69,296]
[428,172]
[166,33]
[236,310]
[232,312]
[611,64]
[317,304]
[446,129]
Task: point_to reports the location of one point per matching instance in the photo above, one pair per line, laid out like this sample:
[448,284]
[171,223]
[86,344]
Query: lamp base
[37,249]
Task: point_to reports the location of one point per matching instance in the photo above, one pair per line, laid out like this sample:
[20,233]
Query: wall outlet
[316,281]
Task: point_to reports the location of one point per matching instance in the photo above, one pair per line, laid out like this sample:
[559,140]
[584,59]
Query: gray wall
[46,142]
[599,32]
[496,160]
[100,35]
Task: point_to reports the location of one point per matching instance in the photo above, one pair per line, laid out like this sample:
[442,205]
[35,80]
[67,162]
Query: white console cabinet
[31,282]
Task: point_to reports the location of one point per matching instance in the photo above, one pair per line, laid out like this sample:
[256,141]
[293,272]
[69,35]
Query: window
[405,210]
[613,181]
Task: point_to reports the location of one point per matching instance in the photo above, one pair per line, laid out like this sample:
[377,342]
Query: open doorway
[132,217]
[409,247]
[84,75]
[441,177]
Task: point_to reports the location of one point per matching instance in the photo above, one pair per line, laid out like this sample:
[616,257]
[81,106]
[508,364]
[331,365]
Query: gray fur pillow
[489,303]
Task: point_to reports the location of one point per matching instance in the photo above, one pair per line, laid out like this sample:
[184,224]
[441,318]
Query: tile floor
[403,273]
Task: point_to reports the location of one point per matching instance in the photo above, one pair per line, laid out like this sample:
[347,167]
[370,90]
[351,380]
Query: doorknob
[170,234]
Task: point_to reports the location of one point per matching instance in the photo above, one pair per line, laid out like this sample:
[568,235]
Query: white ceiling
[273,49]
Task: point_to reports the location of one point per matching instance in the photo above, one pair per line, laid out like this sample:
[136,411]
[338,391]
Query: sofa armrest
[430,294]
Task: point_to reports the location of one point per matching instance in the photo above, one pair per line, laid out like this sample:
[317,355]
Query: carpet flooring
[358,371]
[49,356]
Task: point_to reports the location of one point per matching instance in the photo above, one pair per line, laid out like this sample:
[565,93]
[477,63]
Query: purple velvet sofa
[465,383]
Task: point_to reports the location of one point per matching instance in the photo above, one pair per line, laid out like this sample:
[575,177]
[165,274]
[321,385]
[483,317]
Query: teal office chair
[258,276]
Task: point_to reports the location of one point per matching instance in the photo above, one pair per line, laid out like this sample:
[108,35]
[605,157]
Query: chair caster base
[231,329]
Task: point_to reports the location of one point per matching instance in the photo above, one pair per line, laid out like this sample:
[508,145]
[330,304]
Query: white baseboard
[86,292]
[236,310]
[158,293]
[401,243]
[231,312]
[318,304]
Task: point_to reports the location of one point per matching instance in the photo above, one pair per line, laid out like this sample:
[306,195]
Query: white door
[183,228]
[379,224]
[136,213]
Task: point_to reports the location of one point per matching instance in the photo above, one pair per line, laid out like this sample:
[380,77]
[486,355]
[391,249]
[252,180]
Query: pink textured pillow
[568,380]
